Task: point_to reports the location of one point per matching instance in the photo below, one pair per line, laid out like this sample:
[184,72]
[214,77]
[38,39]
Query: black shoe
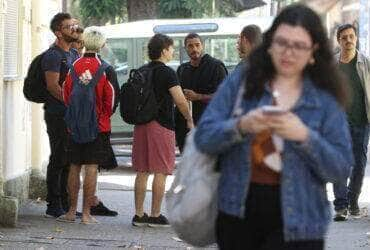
[341,215]
[354,210]
[159,221]
[54,212]
[78,214]
[102,210]
[140,221]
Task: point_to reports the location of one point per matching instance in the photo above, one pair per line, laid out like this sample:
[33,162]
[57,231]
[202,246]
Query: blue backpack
[80,116]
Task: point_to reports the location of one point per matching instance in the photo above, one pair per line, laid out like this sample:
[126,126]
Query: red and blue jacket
[107,89]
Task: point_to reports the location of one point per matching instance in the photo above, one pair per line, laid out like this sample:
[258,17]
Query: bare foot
[88,219]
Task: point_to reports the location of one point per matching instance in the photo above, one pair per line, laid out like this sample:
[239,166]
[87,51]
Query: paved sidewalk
[36,232]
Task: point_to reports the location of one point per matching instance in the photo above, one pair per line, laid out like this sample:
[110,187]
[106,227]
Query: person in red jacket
[97,152]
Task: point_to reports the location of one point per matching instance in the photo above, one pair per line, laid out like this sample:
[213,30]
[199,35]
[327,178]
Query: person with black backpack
[55,63]
[153,150]
[89,96]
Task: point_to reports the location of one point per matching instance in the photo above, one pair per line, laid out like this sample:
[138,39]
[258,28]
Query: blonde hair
[93,39]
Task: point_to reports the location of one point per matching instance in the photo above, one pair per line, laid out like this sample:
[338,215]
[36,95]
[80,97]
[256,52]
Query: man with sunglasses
[356,68]
[55,65]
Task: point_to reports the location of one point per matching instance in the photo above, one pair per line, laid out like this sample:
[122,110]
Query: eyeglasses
[72,27]
[298,48]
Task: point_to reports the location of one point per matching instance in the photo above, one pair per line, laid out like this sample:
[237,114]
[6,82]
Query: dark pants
[344,195]
[57,170]
[180,130]
[262,227]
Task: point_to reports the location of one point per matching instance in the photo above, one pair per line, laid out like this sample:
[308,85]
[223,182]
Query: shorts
[153,149]
[98,152]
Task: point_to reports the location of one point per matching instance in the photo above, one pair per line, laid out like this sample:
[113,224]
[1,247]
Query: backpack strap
[62,53]
[99,73]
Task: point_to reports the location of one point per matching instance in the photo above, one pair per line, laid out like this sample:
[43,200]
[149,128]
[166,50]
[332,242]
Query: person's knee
[91,170]
[75,168]
[142,176]
[160,176]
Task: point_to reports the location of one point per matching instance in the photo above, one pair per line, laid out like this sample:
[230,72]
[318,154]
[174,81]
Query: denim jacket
[325,157]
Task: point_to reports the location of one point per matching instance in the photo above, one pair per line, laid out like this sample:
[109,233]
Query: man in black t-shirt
[55,63]
[199,78]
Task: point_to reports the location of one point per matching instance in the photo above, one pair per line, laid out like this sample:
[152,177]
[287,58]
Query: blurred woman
[275,162]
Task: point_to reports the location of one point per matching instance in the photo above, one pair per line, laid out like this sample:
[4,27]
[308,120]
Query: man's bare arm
[181,103]
[52,84]
[191,95]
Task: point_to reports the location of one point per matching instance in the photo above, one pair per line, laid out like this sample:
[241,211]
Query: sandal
[63,218]
[91,221]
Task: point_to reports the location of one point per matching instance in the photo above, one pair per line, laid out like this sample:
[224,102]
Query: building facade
[24,149]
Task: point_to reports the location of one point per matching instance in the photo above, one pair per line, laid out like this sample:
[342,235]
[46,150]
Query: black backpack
[34,88]
[138,104]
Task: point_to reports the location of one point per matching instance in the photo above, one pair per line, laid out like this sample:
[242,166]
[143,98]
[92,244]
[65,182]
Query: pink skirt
[153,149]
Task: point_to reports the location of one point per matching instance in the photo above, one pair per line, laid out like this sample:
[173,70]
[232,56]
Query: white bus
[127,44]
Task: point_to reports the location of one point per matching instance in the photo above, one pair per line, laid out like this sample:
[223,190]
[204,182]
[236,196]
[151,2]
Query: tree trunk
[141,9]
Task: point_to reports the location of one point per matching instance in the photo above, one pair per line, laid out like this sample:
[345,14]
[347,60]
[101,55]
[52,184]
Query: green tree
[100,12]
[195,8]
[141,9]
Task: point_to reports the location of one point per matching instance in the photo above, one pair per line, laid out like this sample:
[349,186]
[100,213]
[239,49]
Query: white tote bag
[192,199]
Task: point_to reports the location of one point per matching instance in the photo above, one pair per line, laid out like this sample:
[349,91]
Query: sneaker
[102,210]
[53,212]
[354,210]
[341,215]
[140,221]
[159,221]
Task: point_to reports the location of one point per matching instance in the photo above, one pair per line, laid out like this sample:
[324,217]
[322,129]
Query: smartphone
[273,110]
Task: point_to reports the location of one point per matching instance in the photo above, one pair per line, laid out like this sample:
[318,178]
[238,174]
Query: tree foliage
[141,9]
[100,12]
[195,8]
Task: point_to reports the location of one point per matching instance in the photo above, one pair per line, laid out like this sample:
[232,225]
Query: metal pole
[2,17]
[64,5]
[364,26]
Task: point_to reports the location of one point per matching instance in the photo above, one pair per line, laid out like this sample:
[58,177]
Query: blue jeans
[348,195]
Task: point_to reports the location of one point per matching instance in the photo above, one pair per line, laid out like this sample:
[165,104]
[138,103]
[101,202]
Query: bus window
[117,54]
[223,49]
[143,56]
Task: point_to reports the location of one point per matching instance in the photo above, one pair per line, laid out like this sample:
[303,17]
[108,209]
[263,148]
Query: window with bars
[11,34]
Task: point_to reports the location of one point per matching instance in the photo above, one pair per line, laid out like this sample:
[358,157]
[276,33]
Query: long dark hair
[324,72]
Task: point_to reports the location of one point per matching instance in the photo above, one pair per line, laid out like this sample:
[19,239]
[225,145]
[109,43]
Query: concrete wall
[24,146]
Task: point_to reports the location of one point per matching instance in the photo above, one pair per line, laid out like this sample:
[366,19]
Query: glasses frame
[282,45]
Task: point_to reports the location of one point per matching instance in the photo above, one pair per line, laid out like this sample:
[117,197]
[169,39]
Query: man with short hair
[98,207]
[153,148]
[55,65]
[356,67]
[250,37]
[97,151]
[199,79]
